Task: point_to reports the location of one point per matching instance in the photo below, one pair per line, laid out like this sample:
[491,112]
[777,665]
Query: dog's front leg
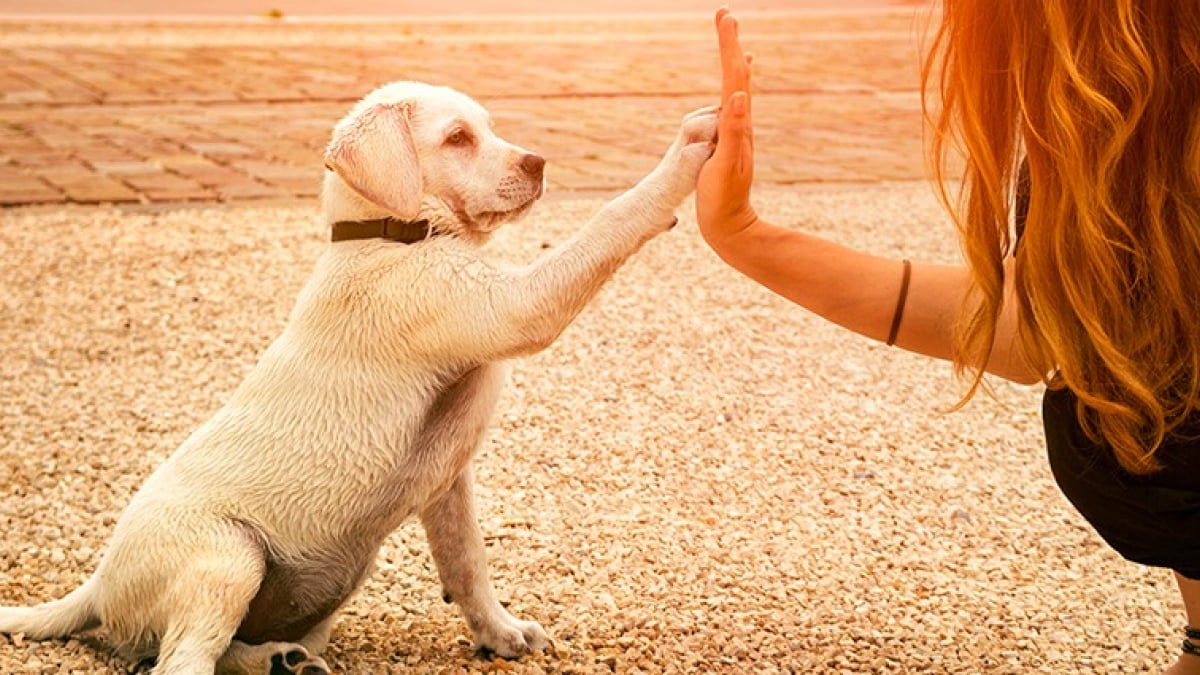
[542,300]
[457,546]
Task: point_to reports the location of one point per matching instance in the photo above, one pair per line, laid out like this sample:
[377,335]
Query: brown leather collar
[390,229]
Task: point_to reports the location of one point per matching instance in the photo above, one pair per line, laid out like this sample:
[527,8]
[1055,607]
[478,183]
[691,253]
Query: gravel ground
[697,477]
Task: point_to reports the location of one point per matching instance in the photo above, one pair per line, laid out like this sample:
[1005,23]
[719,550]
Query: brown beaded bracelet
[900,301]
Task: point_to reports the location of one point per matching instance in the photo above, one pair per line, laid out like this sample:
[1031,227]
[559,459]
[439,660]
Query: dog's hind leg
[279,658]
[209,598]
[457,546]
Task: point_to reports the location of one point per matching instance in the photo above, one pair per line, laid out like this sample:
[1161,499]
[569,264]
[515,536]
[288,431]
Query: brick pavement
[233,111]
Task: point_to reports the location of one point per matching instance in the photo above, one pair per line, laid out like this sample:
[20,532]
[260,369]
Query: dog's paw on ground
[511,638]
[297,661]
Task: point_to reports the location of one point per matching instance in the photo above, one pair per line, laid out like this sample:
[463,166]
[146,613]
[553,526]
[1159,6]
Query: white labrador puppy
[381,387]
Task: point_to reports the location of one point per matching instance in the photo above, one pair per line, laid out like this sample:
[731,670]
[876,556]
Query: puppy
[382,385]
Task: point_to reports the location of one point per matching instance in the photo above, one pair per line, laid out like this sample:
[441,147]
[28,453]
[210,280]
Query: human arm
[854,289]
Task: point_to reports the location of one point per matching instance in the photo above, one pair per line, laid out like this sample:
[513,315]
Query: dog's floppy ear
[374,153]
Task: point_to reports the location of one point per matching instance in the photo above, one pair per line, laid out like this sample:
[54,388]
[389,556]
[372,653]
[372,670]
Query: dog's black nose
[533,165]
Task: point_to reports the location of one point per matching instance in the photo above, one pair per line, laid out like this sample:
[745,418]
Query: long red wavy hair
[1101,99]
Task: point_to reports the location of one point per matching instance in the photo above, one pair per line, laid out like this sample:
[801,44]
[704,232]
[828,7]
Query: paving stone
[128,168]
[181,193]
[248,190]
[211,176]
[34,158]
[14,181]
[236,149]
[271,171]
[30,196]
[97,189]
[168,187]
[66,171]
[300,187]
[103,152]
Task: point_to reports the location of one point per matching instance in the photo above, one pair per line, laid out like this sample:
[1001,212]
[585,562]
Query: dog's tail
[73,613]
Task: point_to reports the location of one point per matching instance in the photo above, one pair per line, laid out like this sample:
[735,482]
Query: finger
[749,60]
[739,111]
[732,62]
[734,135]
[741,114]
[735,73]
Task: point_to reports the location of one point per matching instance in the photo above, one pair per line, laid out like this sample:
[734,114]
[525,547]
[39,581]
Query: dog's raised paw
[694,144]
[700,126]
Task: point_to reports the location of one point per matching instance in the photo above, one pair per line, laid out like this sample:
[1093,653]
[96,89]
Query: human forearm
[859,291]
[853,289]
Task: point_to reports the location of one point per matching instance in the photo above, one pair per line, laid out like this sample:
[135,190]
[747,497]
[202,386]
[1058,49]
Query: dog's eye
[458,137]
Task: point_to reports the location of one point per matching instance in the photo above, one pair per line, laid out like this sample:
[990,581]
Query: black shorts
[1152,520]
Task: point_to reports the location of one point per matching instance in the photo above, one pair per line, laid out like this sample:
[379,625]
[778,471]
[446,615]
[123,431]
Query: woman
[1080,121]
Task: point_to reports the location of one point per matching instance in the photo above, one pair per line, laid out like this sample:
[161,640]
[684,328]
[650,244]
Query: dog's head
[414,151]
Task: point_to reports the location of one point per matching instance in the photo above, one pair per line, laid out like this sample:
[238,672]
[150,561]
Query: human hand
[723,189]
